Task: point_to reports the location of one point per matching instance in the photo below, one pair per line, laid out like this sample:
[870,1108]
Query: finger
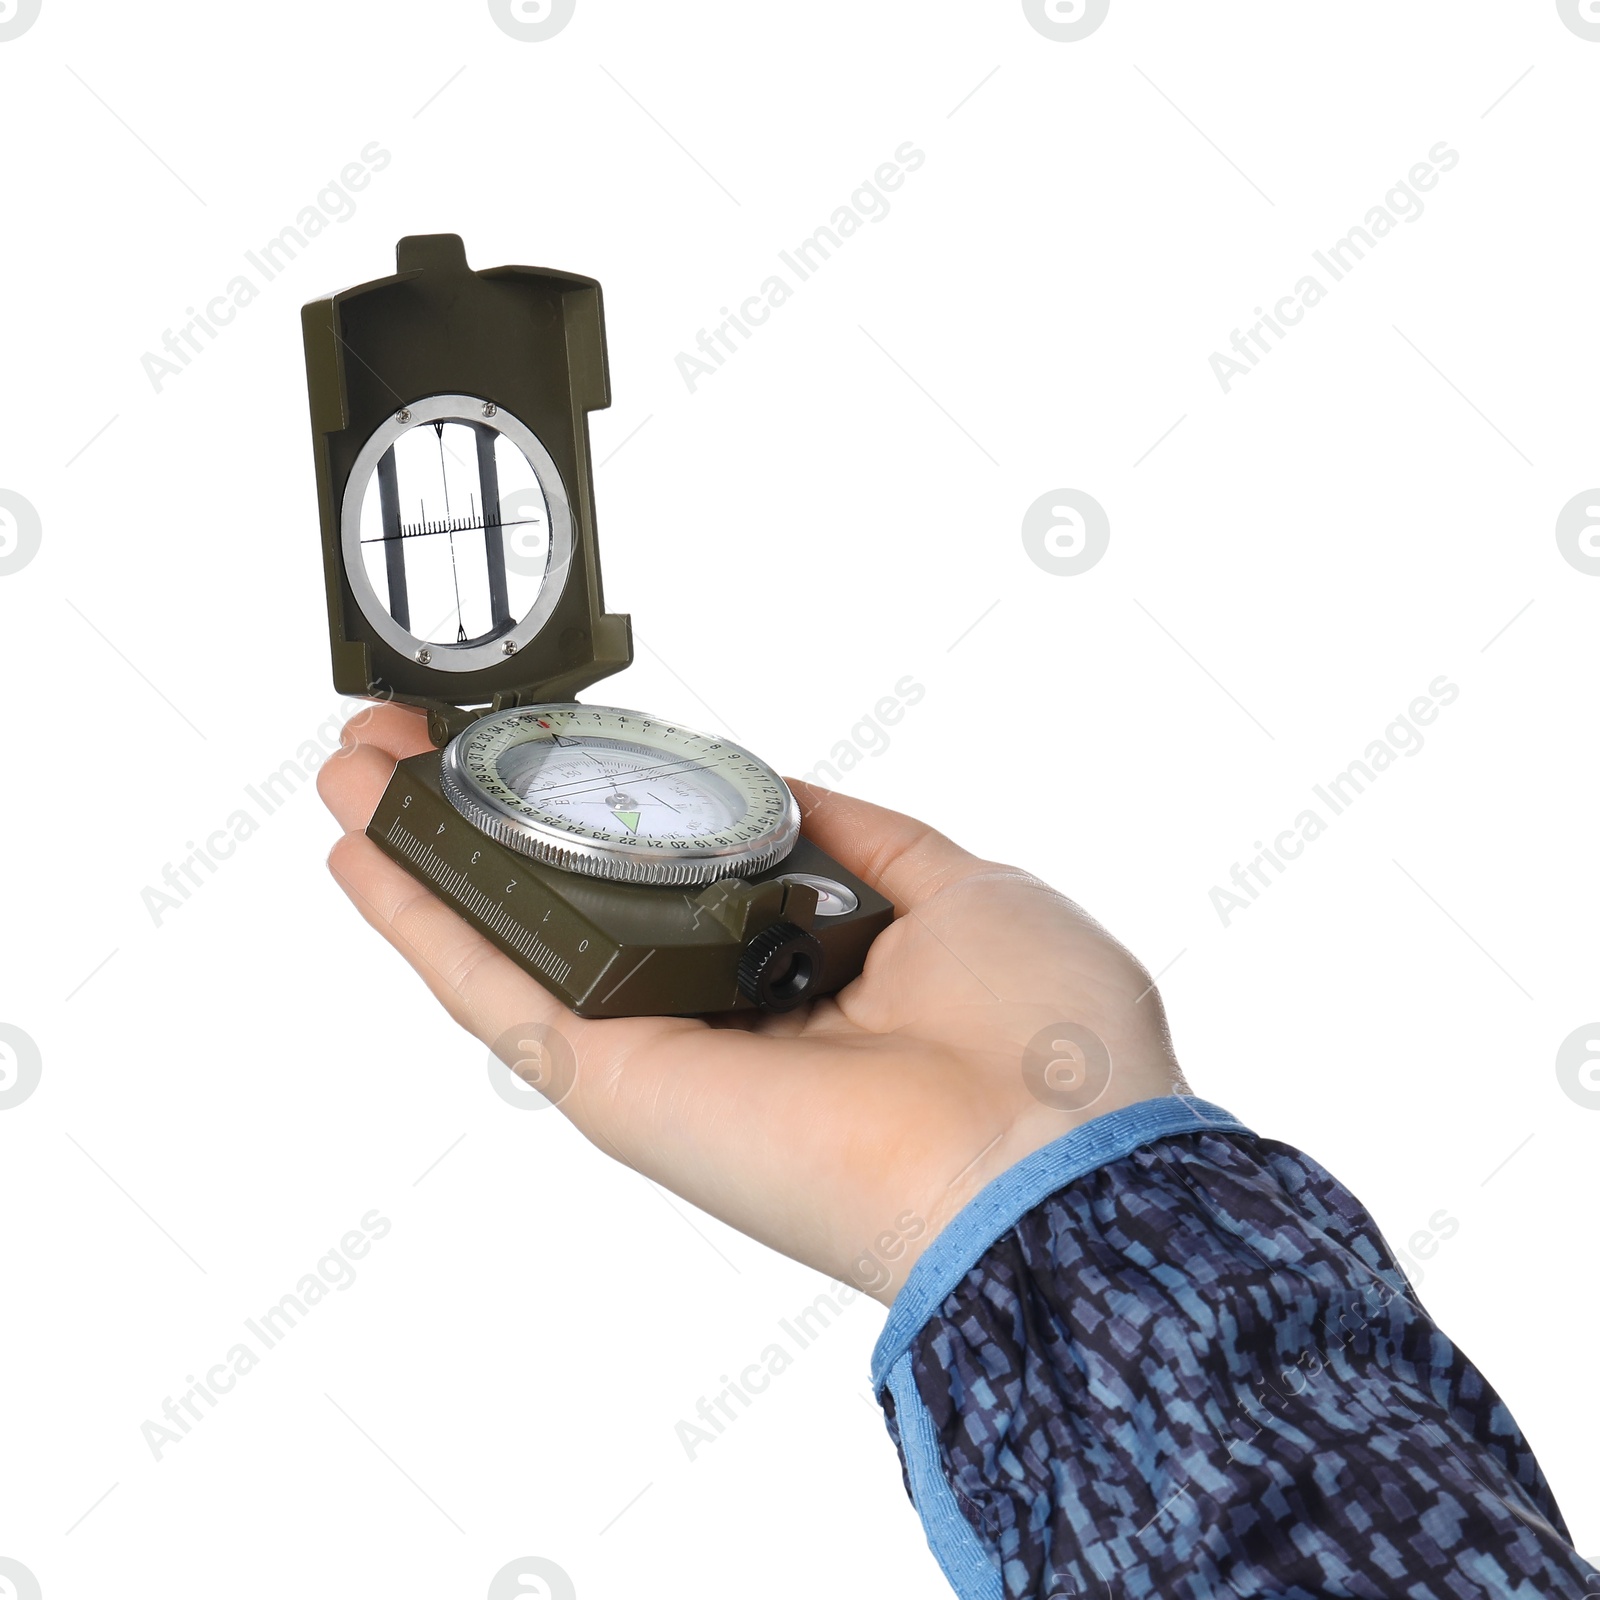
[353,781]
[902,858]
[354,778]
[401,730]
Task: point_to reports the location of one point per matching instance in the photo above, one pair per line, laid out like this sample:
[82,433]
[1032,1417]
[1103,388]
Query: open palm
[993,1016]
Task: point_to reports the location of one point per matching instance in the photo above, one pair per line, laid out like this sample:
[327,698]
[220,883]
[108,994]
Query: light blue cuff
[994,1211]
[1001,1205]
[958,1550]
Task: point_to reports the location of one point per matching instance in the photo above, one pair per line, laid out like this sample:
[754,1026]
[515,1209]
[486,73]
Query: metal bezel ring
[620,862]
[443,656]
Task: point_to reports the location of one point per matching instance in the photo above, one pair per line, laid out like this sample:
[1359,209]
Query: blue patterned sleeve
[1162,1357]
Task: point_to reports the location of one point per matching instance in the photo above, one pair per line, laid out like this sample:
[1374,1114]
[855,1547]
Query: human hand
[848,1132]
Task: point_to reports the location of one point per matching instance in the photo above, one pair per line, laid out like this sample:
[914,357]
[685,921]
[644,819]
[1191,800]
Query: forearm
[1163,1357]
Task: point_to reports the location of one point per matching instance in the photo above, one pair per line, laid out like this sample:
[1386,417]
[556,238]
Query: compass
[631,864]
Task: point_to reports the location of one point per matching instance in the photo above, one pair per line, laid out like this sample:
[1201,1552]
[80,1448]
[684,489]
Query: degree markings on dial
[755,786]
[580,791]
[571,790]
[500,744]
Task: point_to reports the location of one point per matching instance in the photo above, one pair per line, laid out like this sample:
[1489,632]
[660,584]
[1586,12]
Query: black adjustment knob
[780,967]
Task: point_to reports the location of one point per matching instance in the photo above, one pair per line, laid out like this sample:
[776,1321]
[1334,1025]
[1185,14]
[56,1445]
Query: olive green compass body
[631,864]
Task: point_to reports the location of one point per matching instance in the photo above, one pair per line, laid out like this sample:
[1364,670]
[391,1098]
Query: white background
[226,1093]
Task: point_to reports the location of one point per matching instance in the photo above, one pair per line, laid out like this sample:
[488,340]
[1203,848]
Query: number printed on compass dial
[617,794]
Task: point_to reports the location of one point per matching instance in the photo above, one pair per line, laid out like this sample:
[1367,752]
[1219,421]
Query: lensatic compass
[630,864]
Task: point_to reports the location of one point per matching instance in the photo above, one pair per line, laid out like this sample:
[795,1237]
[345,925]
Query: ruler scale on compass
[631,865]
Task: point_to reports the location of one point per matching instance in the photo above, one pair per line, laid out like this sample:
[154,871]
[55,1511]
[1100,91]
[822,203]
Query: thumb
[904,859]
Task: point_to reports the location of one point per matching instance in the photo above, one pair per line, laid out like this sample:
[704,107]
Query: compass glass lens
[609,786]
[618,794]
[455,532]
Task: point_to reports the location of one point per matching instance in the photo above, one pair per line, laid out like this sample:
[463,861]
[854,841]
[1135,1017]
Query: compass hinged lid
[449,412]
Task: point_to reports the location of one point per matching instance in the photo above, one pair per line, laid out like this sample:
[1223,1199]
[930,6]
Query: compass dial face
[618,794]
